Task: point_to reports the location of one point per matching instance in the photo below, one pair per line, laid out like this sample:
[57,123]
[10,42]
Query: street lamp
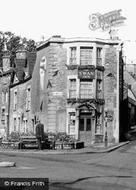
[106,134]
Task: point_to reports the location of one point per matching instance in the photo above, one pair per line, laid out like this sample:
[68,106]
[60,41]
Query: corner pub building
[74,83]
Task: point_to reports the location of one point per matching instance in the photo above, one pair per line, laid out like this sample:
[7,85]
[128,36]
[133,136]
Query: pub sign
[86,73]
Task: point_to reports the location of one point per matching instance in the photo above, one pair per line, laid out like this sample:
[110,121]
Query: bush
[14,136]
[27,134]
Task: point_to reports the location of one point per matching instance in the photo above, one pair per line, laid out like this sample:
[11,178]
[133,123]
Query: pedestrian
[39,133]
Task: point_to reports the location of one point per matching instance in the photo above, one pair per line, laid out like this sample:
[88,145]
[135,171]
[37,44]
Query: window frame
[72,77]
[99,51]
[84,83]
[84,59]
[73,59]
[28,98]
[15,100]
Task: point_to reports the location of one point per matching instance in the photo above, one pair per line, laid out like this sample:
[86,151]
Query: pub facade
[75,87]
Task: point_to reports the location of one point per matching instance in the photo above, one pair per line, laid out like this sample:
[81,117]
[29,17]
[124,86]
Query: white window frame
[14,126]
[87,47]
[3,97]
[91,82]
[70,110]
[3,117]
[6,96]
[15,100]
[101,55]
[28,98]
[70,77]
[70,52]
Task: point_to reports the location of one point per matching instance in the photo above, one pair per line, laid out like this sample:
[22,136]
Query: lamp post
[106,134]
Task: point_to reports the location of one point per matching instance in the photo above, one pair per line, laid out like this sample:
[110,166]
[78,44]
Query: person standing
[39,133]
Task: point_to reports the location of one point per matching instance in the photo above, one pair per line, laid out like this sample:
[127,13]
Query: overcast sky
[68,18]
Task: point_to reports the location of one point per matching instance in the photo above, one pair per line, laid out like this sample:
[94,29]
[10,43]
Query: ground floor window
[15,124]
[71,123]
[19,124]
[98,128]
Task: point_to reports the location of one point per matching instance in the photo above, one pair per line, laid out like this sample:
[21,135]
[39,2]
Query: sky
[68,18]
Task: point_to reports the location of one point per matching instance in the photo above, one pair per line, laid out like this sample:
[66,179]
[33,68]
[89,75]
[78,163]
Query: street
[114,170]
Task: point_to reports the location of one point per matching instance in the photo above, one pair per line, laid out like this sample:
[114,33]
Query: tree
[13,44]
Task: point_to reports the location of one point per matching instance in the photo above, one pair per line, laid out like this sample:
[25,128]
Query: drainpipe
[8,116]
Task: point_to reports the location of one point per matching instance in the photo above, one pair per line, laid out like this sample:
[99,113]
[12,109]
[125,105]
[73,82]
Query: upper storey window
[86,55]
[99,56]
[73,56]
[28,99]
[15,100]
[72,88]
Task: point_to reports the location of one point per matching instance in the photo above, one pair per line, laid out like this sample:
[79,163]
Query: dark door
[85,128]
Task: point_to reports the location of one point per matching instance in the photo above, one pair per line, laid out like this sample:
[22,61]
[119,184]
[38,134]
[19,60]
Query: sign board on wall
[86,73]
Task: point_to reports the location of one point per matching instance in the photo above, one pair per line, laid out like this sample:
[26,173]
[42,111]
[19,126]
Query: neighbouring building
[75,87]
[21,118]
[15,93]
[129,102]
[131,68]
[6,74]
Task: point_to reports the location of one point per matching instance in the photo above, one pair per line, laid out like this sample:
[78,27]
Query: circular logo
[6,183]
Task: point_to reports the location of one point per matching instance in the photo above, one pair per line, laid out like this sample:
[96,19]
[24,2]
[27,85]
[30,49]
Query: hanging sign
[105,21]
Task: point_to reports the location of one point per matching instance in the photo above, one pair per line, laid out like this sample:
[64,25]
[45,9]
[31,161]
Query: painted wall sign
[86,73]
[105,21]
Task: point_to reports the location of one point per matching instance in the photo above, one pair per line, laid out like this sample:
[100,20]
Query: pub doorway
[85,128]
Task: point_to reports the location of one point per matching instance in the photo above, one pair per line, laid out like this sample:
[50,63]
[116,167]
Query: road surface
[114,170]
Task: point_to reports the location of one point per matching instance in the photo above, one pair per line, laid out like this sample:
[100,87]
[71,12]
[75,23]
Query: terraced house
[15,90]
[75,87]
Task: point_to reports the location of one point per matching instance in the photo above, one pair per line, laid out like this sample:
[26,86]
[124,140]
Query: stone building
[131,68]
[129,102]
[15,93]
[6,74]
[21,119]
[75,87]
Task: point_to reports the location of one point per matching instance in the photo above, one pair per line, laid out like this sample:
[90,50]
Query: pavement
[95,148]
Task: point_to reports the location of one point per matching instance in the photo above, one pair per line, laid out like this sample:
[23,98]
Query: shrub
[14,136]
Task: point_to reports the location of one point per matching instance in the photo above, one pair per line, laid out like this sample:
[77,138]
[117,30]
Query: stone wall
[49,103]
[110,89]
[21,111]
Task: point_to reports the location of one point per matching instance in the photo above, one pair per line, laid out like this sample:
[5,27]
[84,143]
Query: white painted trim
[77,84]
[67,118]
